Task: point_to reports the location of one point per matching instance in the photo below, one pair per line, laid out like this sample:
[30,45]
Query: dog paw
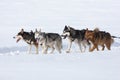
[44,52]
[91,50]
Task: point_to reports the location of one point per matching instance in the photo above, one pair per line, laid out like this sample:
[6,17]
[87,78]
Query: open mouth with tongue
[37,40]
[18,39]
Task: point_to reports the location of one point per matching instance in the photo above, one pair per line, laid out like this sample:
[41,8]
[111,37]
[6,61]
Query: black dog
[28,37]
[75,35]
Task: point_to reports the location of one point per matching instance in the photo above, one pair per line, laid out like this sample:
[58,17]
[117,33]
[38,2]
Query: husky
[28,37]
[74,35]
[99,38]
[49,40]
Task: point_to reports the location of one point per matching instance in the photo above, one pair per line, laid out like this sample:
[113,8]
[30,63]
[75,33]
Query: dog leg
[103,47]
[36,49]
[69,47]
[84,45]
[94,46]
[108,45]
[89,44]
[79,44]
[52,50]
[92,49]
[58,49]
[58,45]
[97,48]
[45,49]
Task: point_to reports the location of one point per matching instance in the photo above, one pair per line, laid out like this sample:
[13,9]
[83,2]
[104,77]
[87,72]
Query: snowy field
[75,66]
[52,16]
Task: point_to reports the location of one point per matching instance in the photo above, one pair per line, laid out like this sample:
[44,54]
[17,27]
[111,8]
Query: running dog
[28,37]
[49,40]
[74,35]
[99,38]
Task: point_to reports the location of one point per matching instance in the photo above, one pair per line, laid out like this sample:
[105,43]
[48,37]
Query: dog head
[66,32]
[89,34]
[37,34]
[19,36]
[41,38]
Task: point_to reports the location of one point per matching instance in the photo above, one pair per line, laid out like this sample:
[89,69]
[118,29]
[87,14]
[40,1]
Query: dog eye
[64,31]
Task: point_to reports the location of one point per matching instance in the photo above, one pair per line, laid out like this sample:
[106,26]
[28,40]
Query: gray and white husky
[77,36]
[49,40]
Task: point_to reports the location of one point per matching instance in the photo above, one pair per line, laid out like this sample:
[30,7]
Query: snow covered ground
[102,65]
[52,16]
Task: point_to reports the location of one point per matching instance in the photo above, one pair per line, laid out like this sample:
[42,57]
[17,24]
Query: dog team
[83,38]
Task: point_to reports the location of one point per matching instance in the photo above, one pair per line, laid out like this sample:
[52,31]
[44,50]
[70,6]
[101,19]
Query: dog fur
[74,35]
[28,37]
[49,40]
[99,38]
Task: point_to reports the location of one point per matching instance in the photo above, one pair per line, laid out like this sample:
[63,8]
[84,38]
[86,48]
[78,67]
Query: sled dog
[49,40]
[74,35]
[99,38]
[28,37]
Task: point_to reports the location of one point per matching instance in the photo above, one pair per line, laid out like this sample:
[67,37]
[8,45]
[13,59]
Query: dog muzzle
[37,40]
[18,38]
[64,36]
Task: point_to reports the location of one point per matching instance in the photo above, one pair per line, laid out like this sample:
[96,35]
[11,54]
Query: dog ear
[68,27]
[65,26]
[40,30]
[36,30]
[31,31]
[86,29]
[22,30]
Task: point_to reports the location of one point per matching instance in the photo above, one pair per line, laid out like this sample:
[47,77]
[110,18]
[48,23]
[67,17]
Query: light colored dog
[49,40]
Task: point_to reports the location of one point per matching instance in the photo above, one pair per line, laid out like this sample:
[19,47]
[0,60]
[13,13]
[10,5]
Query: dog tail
[59,44]
[96,30]
[115,37]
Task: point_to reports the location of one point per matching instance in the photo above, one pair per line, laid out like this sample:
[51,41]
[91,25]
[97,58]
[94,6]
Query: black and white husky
[28,37]
[77,36]
[49,40]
